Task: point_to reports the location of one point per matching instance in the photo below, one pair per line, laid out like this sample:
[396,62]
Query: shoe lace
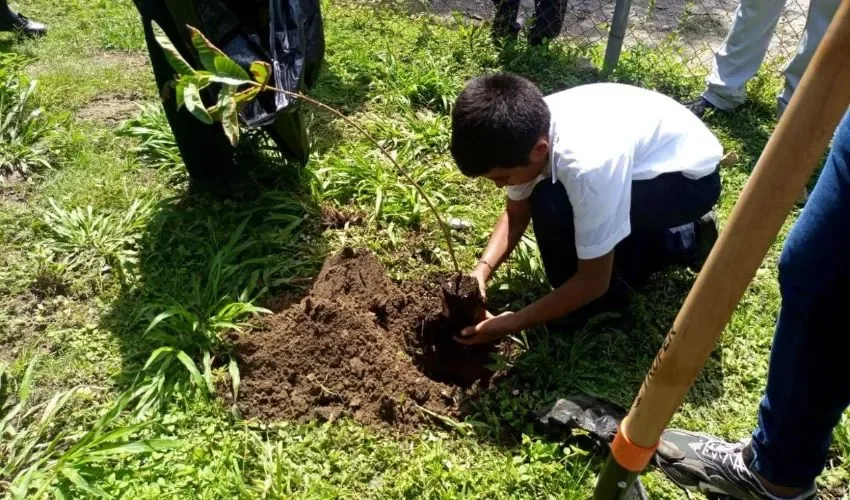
[728,455]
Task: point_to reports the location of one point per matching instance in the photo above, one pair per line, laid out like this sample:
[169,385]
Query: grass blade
[131,448]
[26,383]
[235,379]
[193,369]
[81,483]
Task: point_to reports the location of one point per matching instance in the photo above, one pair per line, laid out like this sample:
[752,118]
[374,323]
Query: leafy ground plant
[41,453]
[22,131]
[97,242]
[220,303]
[157,147]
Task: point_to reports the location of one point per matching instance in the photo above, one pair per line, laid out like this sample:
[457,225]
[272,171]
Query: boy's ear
[540,151]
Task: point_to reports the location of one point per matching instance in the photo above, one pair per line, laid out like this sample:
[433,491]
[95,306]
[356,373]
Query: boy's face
[514,176]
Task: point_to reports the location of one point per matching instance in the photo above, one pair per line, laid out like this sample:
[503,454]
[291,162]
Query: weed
[22,131]
[97,242]
[157,147]
[194,331]
[36,457]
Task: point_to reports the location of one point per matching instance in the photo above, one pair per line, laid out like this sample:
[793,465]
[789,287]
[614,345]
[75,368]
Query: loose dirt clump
[361,346]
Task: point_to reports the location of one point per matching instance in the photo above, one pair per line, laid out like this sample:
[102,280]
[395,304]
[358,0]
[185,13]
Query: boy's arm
[590,282]
[505,236]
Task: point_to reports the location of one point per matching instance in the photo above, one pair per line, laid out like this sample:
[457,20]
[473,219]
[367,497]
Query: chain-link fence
[693,29]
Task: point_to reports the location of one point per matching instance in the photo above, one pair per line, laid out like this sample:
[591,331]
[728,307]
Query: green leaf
[158,319]
[227,68]
[230,120]
[156,354]
[235,379]
[26,384]
[226,80]
[247,95]
[207,52]
[208,371]
[194,104]
[132,448]
[193,369]
[172,55]
[179,90]
[261,71]
[81,483]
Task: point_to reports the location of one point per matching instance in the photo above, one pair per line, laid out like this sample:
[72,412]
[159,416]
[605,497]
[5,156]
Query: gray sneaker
[697,461]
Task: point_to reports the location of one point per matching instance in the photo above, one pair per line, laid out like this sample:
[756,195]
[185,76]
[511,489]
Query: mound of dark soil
[361,346]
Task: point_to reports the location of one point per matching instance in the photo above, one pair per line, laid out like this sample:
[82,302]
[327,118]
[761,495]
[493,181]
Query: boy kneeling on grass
[618,181]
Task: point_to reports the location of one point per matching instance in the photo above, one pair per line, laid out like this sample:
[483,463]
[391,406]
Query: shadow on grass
[608,357]
[201,251]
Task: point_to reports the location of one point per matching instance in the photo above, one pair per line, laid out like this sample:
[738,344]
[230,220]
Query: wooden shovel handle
[785,166]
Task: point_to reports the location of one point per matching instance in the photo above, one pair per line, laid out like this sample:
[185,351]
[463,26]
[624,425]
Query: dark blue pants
[808,386]
[662,213]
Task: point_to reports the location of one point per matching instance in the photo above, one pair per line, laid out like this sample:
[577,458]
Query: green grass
[110,298]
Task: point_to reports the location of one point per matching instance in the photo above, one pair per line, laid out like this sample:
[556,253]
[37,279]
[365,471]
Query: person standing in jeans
[14,21]
[807,387]
[744,49]
[548,19]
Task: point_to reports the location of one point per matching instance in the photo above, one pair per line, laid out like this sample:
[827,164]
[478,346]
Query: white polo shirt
[605,135]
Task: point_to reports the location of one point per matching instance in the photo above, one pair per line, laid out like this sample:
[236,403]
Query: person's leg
[665,219]
[504,19]
[806,387]
[742,52]
[819,17]
[204,148]
[552,219]
[548,20]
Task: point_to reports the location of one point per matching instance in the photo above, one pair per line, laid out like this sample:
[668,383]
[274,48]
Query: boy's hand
[481,277]
[491,329]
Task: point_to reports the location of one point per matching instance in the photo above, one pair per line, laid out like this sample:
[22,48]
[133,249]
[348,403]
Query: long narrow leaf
[26,383]
[156,354]
[208,371]
[81,483]
[133,448]
[193,370]
[235,379]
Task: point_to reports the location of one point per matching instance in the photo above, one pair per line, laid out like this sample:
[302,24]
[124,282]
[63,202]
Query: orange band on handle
[629,455]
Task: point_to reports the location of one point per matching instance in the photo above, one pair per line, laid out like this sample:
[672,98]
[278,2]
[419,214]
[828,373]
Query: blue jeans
[807,385]
[662,214]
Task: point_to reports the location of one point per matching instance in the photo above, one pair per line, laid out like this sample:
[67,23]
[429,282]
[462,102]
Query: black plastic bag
[599,418]
[287,34]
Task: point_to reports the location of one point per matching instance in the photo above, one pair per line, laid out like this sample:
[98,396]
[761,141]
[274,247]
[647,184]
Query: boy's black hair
[496,121]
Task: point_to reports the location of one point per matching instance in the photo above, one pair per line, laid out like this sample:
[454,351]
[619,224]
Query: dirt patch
[361,346]
[111,109]
[339,218]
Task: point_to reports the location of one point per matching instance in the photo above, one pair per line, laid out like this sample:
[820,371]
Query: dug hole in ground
[361,346]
